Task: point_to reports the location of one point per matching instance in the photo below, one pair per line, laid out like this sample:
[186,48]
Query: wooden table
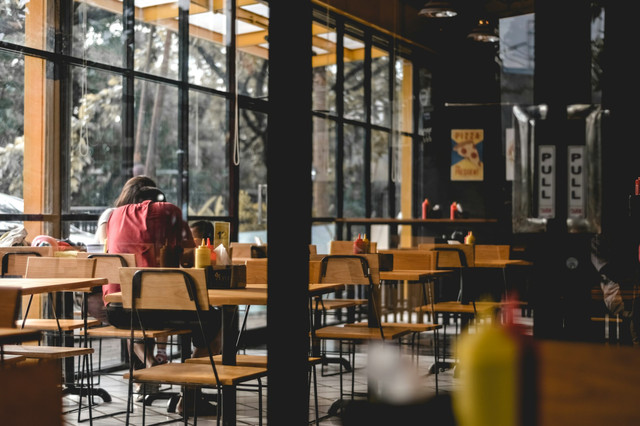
[30,286]
[17,335]
[229,300]
[502,265]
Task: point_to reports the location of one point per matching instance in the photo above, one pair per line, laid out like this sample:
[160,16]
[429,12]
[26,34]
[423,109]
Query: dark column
[562,77]
[289,210]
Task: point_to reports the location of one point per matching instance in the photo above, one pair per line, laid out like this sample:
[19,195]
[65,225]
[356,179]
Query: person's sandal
[204,407]
[161,358]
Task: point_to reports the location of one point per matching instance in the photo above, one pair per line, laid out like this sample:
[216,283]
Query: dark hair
[202,229]
[131,189]
[150,193]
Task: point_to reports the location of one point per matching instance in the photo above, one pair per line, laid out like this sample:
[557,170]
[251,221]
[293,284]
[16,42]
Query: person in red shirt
[154,231]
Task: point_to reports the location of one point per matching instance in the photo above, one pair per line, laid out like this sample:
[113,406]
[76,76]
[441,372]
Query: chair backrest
[347,269]
[9,304]
[164,288]
[60,267]
[14,259]
[408,259]
[108,264]
[256,271]
[492,252]
[346,247]
[449,256]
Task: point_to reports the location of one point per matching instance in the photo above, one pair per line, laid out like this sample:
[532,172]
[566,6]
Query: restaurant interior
[459,164]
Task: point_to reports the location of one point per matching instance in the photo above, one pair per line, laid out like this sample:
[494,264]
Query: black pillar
[562,77]
[289,210]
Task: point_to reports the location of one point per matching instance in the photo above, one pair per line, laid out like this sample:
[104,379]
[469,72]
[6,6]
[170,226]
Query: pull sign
[546,181]
[576,177]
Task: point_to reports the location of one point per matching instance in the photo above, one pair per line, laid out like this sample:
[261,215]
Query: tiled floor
[397,374]
[396,371]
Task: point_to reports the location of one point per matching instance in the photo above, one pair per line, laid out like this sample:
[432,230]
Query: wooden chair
[354,270]
[14,264]
[346,247]
[178,289]
[341,306]
[58,267]
[411,260]
[491,251]
[240,252]
[108,265]
[14,259]
[466,307]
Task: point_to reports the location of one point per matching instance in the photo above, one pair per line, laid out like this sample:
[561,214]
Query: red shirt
[148,230]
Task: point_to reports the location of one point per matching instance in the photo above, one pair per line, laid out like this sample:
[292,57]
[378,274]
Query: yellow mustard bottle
[203,256]
[470,238]
[489,390]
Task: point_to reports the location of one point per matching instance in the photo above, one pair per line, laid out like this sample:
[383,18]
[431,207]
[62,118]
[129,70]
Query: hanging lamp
[484,31]
[437,9]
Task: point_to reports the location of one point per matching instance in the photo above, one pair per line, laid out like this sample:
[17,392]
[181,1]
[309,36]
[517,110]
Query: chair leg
[315,392]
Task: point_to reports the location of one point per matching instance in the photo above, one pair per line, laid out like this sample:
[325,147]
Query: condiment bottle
[425,208]
[470,238]
[203,256]
[498,383]
[367,244]
[452,210]
[488,394]
[213,253]
[358,245]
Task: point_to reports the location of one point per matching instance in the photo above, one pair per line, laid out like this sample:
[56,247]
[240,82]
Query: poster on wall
[466,154]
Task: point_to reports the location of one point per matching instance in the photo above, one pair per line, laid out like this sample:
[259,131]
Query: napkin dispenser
[226,276]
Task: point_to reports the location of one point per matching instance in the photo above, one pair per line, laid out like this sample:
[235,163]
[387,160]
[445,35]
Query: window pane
[321,235]
[16,16]
[403,96]
[95,154]
[324,68]
[252,137]
[354,107]
[353,169]
[207,53]
[156,147]
[208,161]
[597,55]
[380,102]
[517,57]
[323,173]
[253,73]
[380,174]
[11,132]
[156,46]
[98,33]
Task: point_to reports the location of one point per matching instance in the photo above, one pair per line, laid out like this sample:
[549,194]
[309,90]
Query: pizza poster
[466,154]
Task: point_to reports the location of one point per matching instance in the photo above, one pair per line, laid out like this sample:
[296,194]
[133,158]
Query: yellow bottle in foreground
[203,256]
[489,390]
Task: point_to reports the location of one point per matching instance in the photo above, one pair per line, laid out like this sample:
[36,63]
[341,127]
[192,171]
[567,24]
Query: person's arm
[101,231]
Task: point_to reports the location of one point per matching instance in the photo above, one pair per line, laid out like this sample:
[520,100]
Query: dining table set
[255,293]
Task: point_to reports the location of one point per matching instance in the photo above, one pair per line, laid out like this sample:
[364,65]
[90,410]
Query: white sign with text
[576,179]
[546,181]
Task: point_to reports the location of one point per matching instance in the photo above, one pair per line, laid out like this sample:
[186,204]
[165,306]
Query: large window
[153,87]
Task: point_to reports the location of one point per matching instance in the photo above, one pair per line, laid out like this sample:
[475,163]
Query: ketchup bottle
[213,253]
[358,245]
[452,210]
[425,208]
